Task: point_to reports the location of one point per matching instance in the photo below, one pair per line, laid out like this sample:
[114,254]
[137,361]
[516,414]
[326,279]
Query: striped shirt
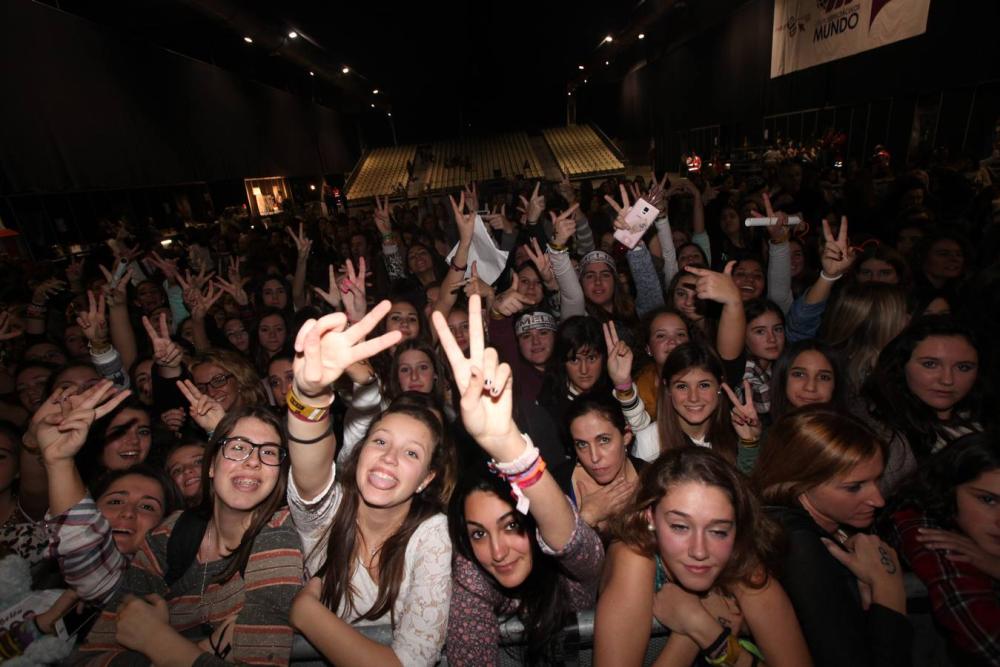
[80,540]
[244,618]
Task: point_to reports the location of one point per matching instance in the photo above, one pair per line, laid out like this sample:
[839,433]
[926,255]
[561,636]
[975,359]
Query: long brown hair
[807,447]
[342,535]
[720,434]
[267,507]
[755,545]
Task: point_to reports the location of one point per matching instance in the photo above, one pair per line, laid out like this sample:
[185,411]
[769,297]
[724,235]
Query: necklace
[372,552]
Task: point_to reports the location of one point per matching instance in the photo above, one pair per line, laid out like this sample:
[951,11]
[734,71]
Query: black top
[828,604]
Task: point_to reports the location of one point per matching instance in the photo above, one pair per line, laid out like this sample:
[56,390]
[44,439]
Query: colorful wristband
[302,411]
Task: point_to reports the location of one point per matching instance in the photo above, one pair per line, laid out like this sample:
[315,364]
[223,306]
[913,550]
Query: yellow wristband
[303,411]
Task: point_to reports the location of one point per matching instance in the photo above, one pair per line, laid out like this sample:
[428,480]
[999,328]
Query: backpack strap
[183,544]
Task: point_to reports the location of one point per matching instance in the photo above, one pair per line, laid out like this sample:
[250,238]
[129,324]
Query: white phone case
[639,218]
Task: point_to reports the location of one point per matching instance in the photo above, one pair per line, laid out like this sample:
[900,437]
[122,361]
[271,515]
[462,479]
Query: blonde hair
[861,322]
[249,389]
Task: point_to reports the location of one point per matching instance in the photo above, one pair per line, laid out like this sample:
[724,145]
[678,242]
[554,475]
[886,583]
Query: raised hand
[353,291]
[485,386]
[498,219]
[778,231]
[476,285]
[509,302]
[838,255]
[303,244]
[622,210]
[383,220]
[94,322]
[620,356]
[471,195]
[534,206]
[166,352]
[563,225]
[203,302]
[168,267]
[541,262]
[325,347]
[466,222]
[332,296]
[197,281]
[658,193]
[746,423]
[116,291]
[234,288]
[205,410]
[60,425]
[715,286]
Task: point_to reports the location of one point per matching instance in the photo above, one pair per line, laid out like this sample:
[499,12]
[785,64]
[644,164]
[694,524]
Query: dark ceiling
[442,68]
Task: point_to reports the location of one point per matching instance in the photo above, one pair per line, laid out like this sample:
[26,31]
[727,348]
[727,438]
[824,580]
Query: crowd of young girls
[749,436]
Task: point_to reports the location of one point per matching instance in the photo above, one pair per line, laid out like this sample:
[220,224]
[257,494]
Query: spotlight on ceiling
[579,66]
[389,114]
[373,105]
[312,73]
[293,35]
[375,92]
[345,69]
[607,62]
[642,35]
[248,39]
[312,187]
[608,39]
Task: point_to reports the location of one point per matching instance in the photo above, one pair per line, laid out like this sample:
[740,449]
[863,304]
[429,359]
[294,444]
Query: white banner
[811,32]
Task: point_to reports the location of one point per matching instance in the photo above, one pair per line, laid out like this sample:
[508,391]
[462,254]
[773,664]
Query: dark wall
[84,109]
[717,72]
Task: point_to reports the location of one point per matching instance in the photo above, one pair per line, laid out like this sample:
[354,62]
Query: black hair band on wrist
[312,441]
[712,649]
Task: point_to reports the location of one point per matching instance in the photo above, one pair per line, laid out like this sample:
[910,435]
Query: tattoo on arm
[890,567]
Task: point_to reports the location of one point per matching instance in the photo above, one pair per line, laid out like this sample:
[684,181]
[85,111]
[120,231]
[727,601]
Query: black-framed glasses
[240,449]
[216,382]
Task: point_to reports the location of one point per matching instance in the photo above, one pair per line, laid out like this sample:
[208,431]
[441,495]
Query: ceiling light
[248,39]
[579,66]
[608,39]
[373,105]
[345,69]
[569,94]
[389,114]
[312,73]
[642,35]
[585,81]
[312,187]
[375,92]
[293,35]
[606,62]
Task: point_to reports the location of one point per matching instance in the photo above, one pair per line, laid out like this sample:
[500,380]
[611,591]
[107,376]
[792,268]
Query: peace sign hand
[60,426]
[382,218]
[94,322]
[203,302]
[466,222]
[303,244]
[657,191]
[325,347]
[353,291]
[622,210]
[620,356]
[485,385]
[471,196]
[838,255]
[498,219]
[533,207]
[715,286]
[476,285]
[205,410]
[563,225]
[332,296]
[541,262]
[746,423]
[166,352]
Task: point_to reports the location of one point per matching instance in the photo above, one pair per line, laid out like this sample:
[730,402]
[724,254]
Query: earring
[420,488]
[650,527]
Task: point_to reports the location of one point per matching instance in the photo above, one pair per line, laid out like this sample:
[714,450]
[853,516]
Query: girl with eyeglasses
[213,584]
